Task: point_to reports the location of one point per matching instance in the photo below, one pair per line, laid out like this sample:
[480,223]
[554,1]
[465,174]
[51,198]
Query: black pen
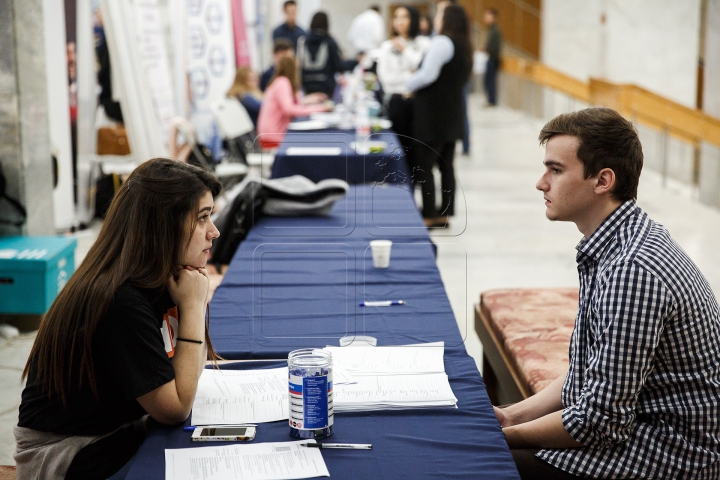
[348,446]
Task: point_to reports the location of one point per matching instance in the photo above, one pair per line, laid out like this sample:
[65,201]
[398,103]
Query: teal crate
[32,272]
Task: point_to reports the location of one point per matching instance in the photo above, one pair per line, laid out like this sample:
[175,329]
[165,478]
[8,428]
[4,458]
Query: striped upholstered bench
[525,335]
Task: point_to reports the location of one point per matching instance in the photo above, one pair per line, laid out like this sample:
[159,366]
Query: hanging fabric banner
[211,63]
[242,46]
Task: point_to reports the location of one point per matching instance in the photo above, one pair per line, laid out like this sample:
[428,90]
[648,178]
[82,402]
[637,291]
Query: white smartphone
[220,433]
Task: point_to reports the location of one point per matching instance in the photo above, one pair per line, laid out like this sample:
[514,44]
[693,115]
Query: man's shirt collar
[594,246]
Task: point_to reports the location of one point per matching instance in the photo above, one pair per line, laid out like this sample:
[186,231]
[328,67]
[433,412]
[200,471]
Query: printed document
[389,392]
[231,397]
[260,461]
[394,360]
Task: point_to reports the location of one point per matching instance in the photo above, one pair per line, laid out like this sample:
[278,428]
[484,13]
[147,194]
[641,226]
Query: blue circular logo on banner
[196,41]
[194,7]
[200,83]
[213,18]
[217,60]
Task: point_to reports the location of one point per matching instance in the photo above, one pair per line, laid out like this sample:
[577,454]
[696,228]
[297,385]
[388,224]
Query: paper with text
[395,360]
[261,461]
[231,397]
[386,392]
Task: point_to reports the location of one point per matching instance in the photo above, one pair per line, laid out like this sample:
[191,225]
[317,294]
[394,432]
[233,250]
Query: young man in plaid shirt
[641,398]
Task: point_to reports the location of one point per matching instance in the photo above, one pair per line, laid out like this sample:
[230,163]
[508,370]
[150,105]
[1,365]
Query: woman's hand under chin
[189,287]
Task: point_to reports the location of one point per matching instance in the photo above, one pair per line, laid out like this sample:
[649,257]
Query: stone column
[24,129]
[710,154]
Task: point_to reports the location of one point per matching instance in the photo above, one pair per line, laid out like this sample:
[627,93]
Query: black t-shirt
[131,349]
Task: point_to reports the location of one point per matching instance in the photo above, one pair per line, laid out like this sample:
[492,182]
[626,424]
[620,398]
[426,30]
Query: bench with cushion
[525,335]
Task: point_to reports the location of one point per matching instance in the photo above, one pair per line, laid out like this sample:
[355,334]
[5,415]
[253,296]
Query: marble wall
[24,132]
[711,93]
[710,154]
[651,43]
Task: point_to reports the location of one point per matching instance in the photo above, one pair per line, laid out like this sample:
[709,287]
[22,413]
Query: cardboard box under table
[32,272]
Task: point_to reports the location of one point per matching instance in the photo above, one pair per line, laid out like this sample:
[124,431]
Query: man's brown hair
[282,45]
[607,140]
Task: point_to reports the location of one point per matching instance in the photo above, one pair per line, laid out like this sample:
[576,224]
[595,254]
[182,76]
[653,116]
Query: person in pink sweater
[281,104]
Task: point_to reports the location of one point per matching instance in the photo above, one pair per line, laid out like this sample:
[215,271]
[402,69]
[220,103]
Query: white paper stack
[260,461]
[397,360]
[232,397]
[388,378]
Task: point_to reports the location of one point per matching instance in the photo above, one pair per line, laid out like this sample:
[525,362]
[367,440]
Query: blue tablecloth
[466,442]
[297,283]
[387,166]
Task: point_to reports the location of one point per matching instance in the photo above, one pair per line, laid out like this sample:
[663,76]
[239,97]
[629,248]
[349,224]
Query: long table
[297,283]
[387,166]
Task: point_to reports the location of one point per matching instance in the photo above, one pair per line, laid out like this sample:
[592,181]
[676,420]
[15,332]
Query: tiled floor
[499,237]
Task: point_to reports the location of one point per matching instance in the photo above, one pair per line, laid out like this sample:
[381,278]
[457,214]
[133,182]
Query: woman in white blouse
[398,58]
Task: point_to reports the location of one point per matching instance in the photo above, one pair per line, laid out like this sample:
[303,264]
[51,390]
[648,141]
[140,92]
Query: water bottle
[362,125]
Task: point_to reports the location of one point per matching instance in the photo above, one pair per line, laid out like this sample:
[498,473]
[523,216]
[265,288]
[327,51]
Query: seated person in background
[245,89]
[319,58]
[126,337]
[641,397]
[282,47]
[281,104]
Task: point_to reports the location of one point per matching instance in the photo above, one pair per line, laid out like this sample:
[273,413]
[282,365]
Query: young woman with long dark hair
[398,59]
[438,118]
[127,336]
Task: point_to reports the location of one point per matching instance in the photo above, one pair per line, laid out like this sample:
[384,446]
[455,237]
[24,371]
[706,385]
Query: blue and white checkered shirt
[643,388]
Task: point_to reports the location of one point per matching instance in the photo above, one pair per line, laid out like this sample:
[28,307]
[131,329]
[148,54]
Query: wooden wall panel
[519,21]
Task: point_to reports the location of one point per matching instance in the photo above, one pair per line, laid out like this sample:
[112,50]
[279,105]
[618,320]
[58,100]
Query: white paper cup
[381,253]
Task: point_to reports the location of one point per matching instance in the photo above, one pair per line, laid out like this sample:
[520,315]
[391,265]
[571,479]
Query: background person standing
[438,117]
[492,47]
[289,29]
[319,57]
[398,58]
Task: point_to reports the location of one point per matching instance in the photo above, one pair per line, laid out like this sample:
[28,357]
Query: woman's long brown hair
[287,67]
[142,239]
[240,85]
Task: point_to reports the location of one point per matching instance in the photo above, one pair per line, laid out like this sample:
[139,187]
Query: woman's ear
[605,181]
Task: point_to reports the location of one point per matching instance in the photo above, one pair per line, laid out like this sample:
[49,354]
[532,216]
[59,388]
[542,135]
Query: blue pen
[384,303]
[189,429]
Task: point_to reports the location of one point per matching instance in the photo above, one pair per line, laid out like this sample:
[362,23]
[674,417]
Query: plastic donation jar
[310,393]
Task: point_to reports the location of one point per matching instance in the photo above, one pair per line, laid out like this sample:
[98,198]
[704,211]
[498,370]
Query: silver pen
[348,446]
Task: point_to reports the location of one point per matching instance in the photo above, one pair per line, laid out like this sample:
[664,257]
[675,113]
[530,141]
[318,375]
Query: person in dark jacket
[438,119]
[492,47]
[319,57]
[289,29]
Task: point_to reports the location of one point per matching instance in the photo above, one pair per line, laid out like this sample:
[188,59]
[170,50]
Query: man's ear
[604,181]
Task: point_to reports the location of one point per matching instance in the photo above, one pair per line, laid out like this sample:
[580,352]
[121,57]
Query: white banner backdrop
[139,56]
[59,111]
[154,57]
[211,62]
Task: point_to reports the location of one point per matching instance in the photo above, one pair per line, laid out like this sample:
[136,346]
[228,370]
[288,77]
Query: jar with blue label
[310,393]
